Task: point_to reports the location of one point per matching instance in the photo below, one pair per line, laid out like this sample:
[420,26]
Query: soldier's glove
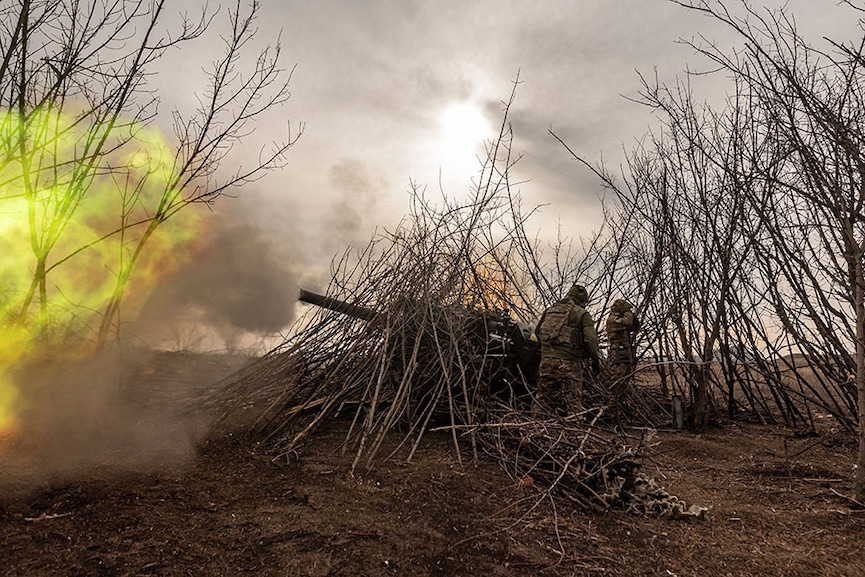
[596,367]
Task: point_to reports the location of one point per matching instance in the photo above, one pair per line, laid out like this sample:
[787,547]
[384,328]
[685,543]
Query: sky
[391,92]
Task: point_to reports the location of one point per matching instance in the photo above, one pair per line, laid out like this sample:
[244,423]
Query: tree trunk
[859,297]
[112,309]
[700,418]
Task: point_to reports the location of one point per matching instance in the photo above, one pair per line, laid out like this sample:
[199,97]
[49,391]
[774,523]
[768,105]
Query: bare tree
[682,213]
[815,102]
[82,159]
[752,218]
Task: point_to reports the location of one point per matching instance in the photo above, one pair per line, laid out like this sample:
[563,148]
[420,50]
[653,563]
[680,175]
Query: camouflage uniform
[560,377]
[622,325]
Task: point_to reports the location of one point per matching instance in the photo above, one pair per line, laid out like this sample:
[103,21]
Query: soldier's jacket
[620,333]
[579,319]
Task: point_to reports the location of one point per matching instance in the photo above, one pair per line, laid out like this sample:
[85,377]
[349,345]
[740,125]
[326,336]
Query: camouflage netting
[644,495]
[587,464]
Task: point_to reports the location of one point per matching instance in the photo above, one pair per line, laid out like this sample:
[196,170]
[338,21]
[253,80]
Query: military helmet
[579,294]
[620,306]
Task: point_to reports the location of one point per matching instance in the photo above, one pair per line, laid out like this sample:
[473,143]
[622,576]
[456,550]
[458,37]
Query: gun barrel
[337,305]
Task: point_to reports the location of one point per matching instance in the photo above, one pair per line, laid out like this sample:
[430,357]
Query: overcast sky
[374,82]
[374,79]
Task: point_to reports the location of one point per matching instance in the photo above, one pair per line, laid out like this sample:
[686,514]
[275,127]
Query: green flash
[83,226]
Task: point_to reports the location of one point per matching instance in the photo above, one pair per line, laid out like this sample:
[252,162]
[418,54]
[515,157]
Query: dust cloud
[355,190]
[127,407]
[105,415]
[234,296]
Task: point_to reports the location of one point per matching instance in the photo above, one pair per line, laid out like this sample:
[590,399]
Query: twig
[849,499]
[46,516]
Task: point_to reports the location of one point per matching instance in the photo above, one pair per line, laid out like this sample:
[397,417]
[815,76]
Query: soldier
[622,326]
[567,335]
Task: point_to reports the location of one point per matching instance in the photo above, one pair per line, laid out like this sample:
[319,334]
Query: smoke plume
[235,289]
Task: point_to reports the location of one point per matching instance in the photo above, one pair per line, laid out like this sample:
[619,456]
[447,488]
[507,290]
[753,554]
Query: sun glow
[464,129]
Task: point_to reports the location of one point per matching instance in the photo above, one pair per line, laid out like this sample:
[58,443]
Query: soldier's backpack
[555,331]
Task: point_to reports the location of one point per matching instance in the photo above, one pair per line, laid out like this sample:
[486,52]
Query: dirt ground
[776,507]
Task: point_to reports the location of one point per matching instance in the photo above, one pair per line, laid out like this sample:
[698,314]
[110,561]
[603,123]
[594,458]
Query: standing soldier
[622,326]
[567,335]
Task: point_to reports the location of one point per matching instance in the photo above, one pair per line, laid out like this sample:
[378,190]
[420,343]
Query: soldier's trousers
[620,371]
[560,381]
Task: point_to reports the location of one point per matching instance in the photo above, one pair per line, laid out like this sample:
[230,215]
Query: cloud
[235,284]
[372,79]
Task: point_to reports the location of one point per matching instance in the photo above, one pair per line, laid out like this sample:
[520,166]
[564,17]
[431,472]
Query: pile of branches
[411,349]
[414,349]
[589,464]
[582,462]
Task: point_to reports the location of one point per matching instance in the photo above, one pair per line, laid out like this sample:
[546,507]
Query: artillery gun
[502,349]
[337,305]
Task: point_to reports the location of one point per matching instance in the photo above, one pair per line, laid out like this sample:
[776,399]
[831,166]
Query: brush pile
[413,342]
[420,342]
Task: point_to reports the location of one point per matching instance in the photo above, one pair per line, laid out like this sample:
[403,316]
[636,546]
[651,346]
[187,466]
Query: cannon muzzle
[337,305]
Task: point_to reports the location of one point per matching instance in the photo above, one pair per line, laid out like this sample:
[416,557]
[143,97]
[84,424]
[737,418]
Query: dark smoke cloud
[237,284]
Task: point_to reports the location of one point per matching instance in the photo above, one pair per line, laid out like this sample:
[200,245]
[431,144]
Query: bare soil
[776,502]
